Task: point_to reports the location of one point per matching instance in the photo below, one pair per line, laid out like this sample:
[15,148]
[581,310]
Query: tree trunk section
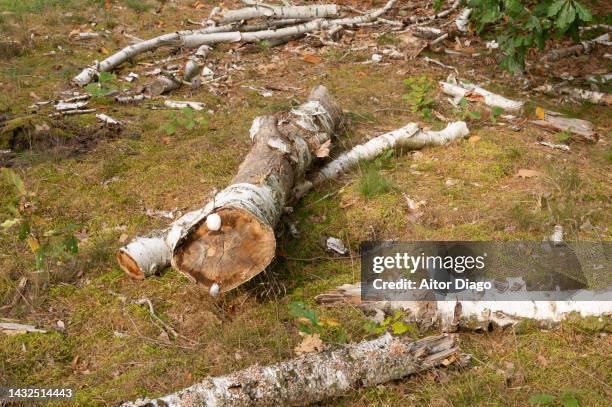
[249,208]
[314,377]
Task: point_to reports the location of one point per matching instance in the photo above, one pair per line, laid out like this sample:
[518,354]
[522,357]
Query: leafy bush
[521,25]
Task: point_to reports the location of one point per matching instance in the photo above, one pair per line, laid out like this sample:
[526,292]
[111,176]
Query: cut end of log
[242,248]
[129,265]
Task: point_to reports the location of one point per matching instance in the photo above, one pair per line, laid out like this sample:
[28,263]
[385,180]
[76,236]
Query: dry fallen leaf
[323,150]
[524,173]
[540,114]
[310,343]
[312,58]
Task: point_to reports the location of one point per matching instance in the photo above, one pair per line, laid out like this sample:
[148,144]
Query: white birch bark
[463,19]
[146,256]
[314,377]
[282,12]
[450,315]
[474,92]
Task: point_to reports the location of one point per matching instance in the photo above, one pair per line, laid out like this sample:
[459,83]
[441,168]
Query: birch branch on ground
[597,98]
[282,12]
[314,377]
[478,315]
[555,122]
[409,136]
[218,34]
[584,47]
[476,93]
[248,209]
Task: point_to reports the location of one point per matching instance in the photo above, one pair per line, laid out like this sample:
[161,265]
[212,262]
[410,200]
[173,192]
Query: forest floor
[110,349]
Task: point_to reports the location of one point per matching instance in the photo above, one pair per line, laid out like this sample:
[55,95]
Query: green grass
[139,5]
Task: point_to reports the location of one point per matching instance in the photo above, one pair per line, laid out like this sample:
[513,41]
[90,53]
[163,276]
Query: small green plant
[184,119]
[567,399]
[106,84]
[495,113]
[563,136]
[521,25]
[54,244]
[393,324]
[463,112]
[309,322]
[372,182]
[419,96]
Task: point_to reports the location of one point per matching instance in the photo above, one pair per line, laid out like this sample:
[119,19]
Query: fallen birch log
[555,122]
[476,93]
[585,47]
[146,256]
[314,377]
[476,315]
[279,12]
[238,242]
[409,136]
[597,98]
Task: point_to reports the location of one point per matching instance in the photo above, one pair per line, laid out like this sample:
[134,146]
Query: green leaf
[566,17]
[541,399]
[554,8]
[400,327]
[24,231]
[474,115]
[71,244]
[583,12]
[570,402]
[496,111]
[106,77]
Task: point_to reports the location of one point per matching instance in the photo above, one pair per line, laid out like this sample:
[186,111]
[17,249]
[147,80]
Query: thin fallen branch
[476,93]
[585,47]
[409,136]
[218,34]
[314,377]
[279,12]
[11,328]
[583,95]
[478,315]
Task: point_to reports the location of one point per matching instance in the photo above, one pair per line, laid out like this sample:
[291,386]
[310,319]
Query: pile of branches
[272,25]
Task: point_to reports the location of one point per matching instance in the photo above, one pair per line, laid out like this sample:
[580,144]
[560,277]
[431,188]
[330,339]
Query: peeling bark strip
[249,208]
[258,11]
[317,376]
[409,136]
[476,315]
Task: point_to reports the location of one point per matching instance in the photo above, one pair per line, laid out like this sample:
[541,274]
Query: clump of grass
[387,39]
[372,182]
[139,5]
